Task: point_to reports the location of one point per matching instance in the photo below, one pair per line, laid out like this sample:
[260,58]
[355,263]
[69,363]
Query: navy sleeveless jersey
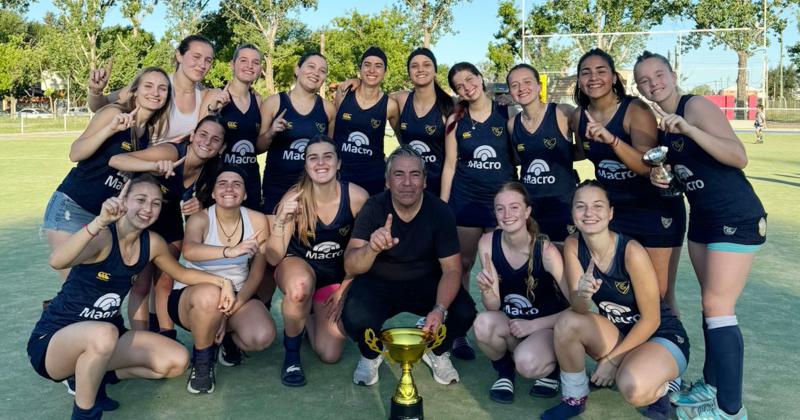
[325,252]
[623,185]
[170,220]
[616,299]
[92,181]
[517,301]
[94,292]
[286,155]
[484,157]
[717,193]
[426,135]
[241,133]
[359,134]
[545,157]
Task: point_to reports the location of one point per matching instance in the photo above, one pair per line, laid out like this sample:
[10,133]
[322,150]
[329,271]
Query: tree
[259,21]
[351,35]
[82,21]
[701,90]
[185,17]
[135,11]
[20,6]
[723,14]
[432,18]
[790,82]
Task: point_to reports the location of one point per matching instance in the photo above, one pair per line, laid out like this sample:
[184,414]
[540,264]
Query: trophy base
[406,412]
[671,192]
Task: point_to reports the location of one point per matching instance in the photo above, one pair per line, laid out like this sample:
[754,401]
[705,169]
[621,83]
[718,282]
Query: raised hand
[382,239]
[166,168]
[596,131]
[220,99]
[247,247]
[587,284]
[191,206]
[347,85]
[114,207]
[289,208]
[487,278]
[671,123]
[98,78]
[123,121]
[279,124]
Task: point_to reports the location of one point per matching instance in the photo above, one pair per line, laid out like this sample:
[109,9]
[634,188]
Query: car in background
[34,113]
[80,111]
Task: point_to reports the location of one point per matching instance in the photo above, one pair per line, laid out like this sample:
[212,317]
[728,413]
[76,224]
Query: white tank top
[236,269]
[181,124]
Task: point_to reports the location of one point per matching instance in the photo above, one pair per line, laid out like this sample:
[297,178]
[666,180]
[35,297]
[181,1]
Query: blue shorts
[746,232]
[679,354]
[64,214]
[554,217]
[472,214]
[652,227]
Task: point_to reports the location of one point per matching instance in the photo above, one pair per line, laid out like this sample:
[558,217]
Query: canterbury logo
[484,153]
[299,145]
[346,116]
[244,147]
[403,126]
[232,125]
[358,138]
[126,146]
[103,276]
[420,147]
[538,167]
[612,165]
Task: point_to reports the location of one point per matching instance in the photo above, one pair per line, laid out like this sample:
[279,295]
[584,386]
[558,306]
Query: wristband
[86,226]
[223,252]
[615,142]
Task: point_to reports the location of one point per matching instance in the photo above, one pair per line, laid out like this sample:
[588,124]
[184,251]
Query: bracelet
[86,226]
[615,142]
[223,252]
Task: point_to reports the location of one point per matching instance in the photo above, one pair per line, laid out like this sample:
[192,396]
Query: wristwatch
[442,309]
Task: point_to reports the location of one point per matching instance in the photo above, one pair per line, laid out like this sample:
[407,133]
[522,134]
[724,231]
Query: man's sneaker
[70,384]
[441,367]
[229,353]
[659,410]
[544,388]
[709,411]
[366,372]
[201,378]
[699,393]
[566,409]
[502,391]
[462,349]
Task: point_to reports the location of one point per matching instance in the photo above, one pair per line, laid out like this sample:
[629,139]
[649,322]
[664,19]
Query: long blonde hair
[158,123]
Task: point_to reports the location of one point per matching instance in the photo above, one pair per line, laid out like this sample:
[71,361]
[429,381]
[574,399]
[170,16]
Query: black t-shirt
[430,235]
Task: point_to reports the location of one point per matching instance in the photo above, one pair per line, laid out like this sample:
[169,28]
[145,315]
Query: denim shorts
[64,214]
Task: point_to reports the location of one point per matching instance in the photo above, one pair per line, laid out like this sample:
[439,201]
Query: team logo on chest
[423,149]
[242,153]
[466,135]
[358,143]
[103,276]
[296,151]
[497,131]
[346,116]
[613,170]
[344,231]
[374,123]
[520,147]
[403,126]
[515,305]
[325,251]
[677,144]
[484,157]
[126,146]
[537,173]
[105,306]
[618,314]
[320,126]
[623,287]
[232,125]
[571,229]
[550,143]
[430,129]
[666,222]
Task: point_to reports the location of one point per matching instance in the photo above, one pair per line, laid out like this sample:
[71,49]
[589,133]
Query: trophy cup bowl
[405,346]
[656,157]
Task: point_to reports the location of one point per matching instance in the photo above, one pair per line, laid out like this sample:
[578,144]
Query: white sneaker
[366,372]
[442,368]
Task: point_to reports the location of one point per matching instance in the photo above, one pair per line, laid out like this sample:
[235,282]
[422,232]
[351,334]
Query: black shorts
[471,213]
[662,227]
[173,303]
[554,217]
[169,223]
[745,232]
[37,350]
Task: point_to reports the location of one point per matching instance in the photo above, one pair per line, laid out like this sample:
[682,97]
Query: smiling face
[152,91]
[468,86]
[312,73]
[229,191]
[591,210]
[406,180]
[523,86]
[196,61]
[322,162]
[208,140]
[654,80]
[421,70]
[595,77]
[247,65]
[511,211]
[372,71]
[144,202]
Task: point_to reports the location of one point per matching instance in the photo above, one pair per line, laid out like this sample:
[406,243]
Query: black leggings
[370,302]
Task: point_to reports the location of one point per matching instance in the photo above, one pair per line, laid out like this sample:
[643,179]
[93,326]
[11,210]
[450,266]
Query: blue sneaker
[566,409]
[699,393]
[709,411]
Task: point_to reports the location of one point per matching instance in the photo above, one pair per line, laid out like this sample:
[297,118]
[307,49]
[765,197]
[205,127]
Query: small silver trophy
[656,157]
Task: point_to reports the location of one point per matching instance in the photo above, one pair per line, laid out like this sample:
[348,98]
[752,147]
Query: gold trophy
[406,347]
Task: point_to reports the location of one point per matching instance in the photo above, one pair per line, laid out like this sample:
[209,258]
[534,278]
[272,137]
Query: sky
[476,22]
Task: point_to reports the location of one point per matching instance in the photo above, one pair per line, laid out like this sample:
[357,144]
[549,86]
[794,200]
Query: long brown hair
[158,123]
[462,106]
[306,221]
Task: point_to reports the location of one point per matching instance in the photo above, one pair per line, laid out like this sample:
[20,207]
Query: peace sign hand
[166,168]
[671,123]
[247,247]
[98,78]
[382,239]
[487,278]
[596,131]
[113,208]
[289,208]
[123,121]
[587,284]
[279,124]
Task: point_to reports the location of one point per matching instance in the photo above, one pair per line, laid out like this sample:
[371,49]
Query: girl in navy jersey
[193,59]
[310,232]
[478,160]
[523,291]
[614,131]
[224,240]
[727,225]
[288,121]
[238,107]
[82,332]
[360,125]
[115,129]
[543,142]
[637,341]
[180,166]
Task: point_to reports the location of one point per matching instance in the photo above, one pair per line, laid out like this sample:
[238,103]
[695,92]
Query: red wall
[728,101]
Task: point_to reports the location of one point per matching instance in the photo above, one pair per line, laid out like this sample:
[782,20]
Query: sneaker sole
[223,362]
[195,392]
[436,377]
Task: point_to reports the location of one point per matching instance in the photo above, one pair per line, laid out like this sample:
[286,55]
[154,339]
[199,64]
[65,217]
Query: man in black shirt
[404,255]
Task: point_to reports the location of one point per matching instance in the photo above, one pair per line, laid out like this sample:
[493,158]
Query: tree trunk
[741,86]
[426,38]
[269,74]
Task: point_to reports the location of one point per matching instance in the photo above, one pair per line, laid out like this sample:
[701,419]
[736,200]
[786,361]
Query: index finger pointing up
[590,267]
[135,110]
[281,114]
[178,162]
[589,116]
[388,224]
[125,189]
[660,112]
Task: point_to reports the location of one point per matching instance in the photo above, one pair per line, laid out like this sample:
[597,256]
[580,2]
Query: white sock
[721,321]
[574,385]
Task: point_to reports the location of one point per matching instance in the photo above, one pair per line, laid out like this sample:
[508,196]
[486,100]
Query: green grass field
[33,165]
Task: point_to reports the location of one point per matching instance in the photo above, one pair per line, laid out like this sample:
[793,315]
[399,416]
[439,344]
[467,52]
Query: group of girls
[289,228]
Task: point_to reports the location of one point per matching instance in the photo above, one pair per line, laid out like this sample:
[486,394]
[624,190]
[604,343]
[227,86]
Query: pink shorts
[321,295]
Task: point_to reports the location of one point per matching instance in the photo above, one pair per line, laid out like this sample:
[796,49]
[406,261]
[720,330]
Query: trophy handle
[372,341]
[438,338]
